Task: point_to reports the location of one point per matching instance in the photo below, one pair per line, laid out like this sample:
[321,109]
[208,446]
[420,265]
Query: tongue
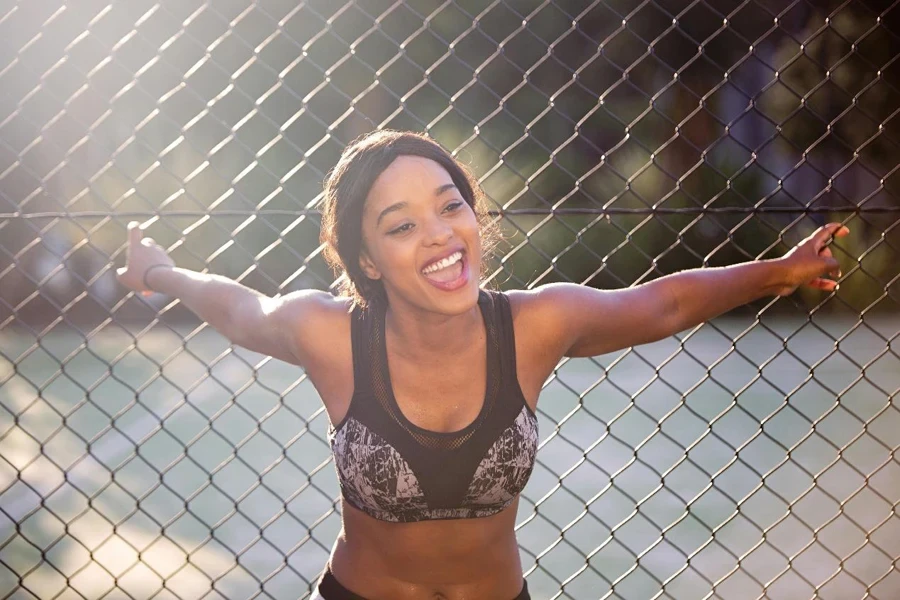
[446,274]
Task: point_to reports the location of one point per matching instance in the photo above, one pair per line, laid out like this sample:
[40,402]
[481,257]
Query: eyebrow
[403,204]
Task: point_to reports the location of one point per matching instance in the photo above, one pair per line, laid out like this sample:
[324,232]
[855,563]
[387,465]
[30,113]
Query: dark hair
[349,183]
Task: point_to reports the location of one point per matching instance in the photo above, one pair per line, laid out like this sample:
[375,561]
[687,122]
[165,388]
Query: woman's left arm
[587,322]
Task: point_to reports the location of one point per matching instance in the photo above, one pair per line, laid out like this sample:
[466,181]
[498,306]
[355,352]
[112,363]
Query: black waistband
[330,588]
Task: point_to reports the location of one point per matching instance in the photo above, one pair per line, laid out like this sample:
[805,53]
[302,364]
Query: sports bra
[393,470]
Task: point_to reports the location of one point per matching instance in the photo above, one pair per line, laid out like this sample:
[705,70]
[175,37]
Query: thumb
[135,233]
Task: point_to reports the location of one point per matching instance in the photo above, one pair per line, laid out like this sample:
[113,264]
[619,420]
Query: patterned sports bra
[393,470]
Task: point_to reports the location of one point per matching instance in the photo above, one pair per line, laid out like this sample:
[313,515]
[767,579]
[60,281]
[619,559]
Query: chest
[443,396]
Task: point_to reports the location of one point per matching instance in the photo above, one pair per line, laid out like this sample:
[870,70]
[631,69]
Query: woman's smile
[450,273]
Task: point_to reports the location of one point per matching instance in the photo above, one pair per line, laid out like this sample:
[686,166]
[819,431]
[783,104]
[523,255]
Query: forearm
[698,295]
[213,298]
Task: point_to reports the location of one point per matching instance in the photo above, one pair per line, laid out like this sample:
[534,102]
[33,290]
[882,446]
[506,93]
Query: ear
[368,267]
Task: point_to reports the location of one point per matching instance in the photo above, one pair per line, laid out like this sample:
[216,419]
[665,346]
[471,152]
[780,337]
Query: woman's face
[421,238]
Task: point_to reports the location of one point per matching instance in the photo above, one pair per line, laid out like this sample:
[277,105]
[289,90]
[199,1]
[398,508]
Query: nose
[438,232]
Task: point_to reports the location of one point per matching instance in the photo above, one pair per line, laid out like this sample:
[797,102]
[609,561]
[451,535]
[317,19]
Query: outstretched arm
[277,327]
[586,322]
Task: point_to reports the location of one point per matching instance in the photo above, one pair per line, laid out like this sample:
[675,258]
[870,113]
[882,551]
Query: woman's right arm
[286,328]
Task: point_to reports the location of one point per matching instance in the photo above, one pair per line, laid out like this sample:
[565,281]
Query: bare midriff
[453,559]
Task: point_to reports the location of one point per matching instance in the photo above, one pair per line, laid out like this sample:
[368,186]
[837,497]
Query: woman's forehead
[406,178]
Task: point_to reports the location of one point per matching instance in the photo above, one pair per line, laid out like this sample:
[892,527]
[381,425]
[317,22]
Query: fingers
[832,266]
[826,234]
[828,285]
[136,236]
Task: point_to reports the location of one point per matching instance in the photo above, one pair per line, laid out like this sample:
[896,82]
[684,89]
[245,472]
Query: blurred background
[617,141]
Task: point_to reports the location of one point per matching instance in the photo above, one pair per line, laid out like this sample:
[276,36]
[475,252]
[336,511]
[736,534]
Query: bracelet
[147,272]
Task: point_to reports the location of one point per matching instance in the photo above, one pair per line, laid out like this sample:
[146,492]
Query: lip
[440,257]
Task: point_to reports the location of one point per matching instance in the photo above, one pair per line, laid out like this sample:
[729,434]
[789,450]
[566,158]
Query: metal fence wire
[754,456]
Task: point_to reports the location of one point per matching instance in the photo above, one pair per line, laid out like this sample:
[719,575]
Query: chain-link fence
[754,456]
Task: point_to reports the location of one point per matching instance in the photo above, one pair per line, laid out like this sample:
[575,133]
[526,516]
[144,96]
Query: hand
[141,254]
[811,259]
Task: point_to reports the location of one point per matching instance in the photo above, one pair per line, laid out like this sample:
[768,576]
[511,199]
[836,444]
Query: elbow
[236,320]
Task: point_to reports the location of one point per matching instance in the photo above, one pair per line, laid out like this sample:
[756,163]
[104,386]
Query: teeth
[443,263]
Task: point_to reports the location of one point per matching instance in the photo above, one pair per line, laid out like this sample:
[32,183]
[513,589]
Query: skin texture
[436,346]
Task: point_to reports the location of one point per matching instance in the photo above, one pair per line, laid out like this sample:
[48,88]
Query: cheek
[397,255]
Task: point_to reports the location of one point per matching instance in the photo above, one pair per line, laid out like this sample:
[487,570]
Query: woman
[431,383]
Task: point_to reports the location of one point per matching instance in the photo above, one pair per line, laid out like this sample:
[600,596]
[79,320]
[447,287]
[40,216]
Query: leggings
[330,588]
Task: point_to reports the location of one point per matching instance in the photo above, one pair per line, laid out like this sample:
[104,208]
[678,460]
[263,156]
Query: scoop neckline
[489,381]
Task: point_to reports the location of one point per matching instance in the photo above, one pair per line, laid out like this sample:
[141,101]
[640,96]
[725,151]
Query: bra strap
[504,323]
[360,323]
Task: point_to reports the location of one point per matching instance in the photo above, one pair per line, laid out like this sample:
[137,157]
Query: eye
[402,229]
[453,206]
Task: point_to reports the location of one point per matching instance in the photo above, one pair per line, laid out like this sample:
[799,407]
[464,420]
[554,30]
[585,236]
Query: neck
[429,335]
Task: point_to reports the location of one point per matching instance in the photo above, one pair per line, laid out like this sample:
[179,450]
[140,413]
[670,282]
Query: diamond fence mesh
[754,456]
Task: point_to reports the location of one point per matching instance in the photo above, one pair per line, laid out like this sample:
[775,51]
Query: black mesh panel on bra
[384,394]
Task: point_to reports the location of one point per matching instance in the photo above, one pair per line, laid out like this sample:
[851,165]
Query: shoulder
[317,324]
[558,315]
[538,316]
[543,302]
[329,314]
[312,308]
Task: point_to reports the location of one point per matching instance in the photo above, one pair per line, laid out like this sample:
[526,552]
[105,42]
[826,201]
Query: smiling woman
[430,382]
[362,185]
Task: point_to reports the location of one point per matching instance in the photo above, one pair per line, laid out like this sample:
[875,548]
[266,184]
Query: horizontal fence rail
[495,213]
[142,455]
